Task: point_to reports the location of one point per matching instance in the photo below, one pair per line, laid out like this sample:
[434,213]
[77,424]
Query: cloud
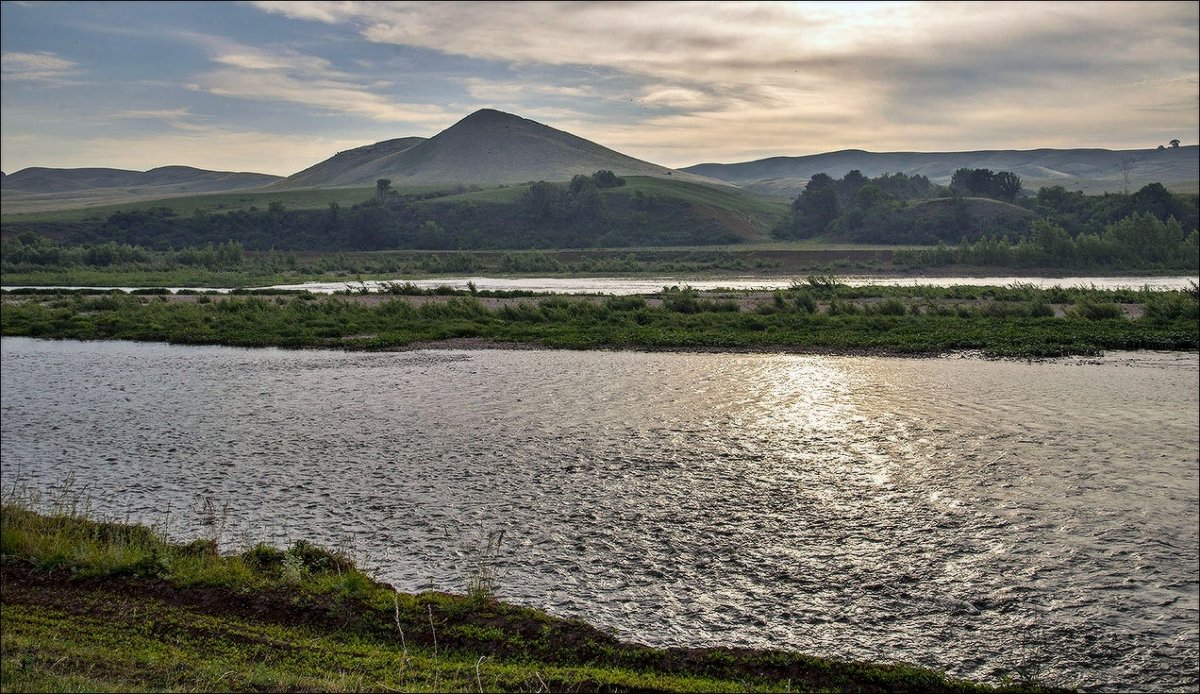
[496,90]
[329,95]
[45,68]
[285,75]
[178,118]
[753,71]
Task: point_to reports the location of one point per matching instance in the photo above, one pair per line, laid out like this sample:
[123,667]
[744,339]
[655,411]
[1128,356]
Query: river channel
[650,285]
[980,517]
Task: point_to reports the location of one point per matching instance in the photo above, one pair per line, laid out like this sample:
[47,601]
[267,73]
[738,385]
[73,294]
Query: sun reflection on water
[937,510]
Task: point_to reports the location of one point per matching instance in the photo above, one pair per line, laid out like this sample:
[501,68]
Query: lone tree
[382,188]
[1126,166]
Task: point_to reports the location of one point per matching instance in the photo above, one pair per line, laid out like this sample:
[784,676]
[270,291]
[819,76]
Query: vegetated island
[101,606]
[819,315]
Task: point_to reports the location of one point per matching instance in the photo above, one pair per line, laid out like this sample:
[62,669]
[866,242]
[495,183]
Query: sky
[275,87]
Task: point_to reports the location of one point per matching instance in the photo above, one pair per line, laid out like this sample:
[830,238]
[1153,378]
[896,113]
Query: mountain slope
[487,148]
[365,164]
[1091,170]
[39,188]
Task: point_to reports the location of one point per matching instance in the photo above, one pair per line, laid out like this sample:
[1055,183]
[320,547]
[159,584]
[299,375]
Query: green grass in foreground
[1014,322]
[98,606]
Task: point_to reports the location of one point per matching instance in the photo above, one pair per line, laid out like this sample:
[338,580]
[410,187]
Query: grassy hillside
[1092,170]
[983,215]
[186,206]
[361,164]
[645,211]
[734,199]
[761,210]
[91,606]
[41,189]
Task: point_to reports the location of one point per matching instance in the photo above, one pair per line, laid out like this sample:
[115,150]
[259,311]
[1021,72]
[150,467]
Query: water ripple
[969,515]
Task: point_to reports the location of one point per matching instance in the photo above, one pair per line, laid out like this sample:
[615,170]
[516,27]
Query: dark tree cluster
[855,207]
[1139,240]
[1079,213]
[985,183]
[31,251]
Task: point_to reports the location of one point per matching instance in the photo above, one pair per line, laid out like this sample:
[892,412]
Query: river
[650,285]
[970,515]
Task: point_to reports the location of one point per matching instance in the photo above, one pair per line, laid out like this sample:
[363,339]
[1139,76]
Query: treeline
[31,256]
[1054,228]
[985,183]
[31,251]
[1078,213]
[887,209]
[579,202]
[1140,240]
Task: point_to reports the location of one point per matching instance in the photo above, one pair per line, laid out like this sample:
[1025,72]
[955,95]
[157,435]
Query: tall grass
[58,533]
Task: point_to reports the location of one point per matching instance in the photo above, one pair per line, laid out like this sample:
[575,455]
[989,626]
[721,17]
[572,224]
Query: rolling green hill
[308,199]
[1090,170]
[39,189]
[644,211]
[761,209]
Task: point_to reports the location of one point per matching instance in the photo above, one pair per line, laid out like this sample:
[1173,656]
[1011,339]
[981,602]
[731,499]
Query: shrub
[318,559]
[263,558]
[681,300]
[624,303]
[1041,309]
[1161,307]
[890,307]
[805,302]
[837,307]
[1092,310]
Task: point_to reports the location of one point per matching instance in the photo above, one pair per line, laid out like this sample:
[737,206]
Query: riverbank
[826,317]
[101,606]
[767,261]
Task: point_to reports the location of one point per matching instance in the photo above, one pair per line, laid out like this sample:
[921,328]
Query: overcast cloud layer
[277,86]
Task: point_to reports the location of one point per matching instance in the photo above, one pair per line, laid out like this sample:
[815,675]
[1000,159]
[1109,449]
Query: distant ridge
[1092,170]
[488,147]
[43,188]
[43,180]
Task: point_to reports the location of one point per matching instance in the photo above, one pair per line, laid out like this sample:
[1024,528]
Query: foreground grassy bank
[1019,321]
[94,606]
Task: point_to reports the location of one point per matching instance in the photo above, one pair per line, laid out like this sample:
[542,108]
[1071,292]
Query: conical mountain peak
[490,147]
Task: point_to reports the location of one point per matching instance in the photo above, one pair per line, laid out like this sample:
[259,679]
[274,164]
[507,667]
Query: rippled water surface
[969,515]
[649,285]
